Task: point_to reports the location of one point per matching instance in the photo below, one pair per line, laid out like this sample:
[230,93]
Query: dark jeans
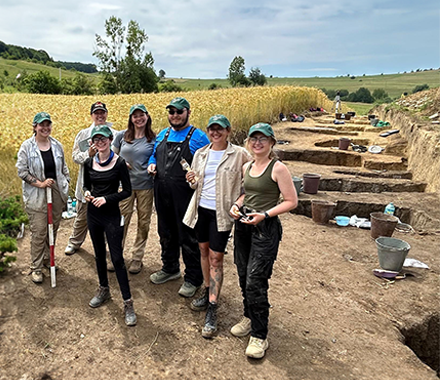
[255,251]
[110,225]
[171,200]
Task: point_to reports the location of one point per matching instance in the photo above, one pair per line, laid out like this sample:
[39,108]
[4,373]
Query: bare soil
[331,318]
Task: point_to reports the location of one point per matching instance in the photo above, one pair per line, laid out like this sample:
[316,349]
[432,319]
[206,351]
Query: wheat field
[243,107]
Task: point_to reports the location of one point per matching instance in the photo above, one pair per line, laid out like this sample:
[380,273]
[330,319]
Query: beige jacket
[228,184]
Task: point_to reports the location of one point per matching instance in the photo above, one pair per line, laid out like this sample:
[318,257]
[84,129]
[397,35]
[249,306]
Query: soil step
[367,185]
[352,128]
[355,180]
[327,119]
[420,210]
[336,157]
[335,142]
[384,165]
[326,131]
[375,174]
[321,157]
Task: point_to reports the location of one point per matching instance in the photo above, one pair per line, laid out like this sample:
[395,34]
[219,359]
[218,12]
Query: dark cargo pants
[255,251]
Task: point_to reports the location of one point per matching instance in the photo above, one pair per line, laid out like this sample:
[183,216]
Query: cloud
[199,38]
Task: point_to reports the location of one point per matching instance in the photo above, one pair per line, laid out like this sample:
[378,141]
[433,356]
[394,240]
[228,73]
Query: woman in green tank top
[258,233]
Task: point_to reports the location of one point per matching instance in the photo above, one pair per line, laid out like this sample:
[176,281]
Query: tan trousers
[79,232]
[144,206]
[39,231]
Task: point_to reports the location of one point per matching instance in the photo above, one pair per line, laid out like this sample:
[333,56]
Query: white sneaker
[242,328]
[257,348]
[70,250]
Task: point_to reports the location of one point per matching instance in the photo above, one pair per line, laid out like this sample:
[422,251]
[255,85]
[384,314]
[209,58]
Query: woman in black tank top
[258,233]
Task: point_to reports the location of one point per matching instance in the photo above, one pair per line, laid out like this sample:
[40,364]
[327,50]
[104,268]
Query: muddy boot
[102,295]
[130,316]
[210,327]
[201,302]
[37,276]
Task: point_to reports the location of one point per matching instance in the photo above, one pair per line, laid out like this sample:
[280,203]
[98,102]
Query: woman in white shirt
[216,176]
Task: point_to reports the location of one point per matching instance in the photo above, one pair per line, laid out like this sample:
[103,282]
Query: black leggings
[99,224]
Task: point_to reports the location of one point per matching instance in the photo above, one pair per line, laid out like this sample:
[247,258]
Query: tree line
[14,52]
[363,95]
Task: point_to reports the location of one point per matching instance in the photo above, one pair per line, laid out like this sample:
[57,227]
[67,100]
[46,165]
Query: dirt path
[331,318]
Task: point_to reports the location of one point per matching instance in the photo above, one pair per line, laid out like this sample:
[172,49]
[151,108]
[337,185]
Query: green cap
[263,128]
[103,130]
[220,120]
[138,107]
[40,117]
[179,103]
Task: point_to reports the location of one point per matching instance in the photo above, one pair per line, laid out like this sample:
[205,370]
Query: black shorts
[206,230]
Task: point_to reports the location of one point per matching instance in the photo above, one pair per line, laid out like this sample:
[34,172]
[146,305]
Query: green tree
[162,74]
[42,82]
[379,93]
[257,77]
[236,74]
[421,87]
[78,85]
[6,73]
[170,86]
[362,95]
[132,72]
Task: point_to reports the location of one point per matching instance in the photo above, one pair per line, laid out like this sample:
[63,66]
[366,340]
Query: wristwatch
[266,215]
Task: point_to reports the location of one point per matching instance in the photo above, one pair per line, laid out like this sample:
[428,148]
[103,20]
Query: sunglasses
[219,129]
[99,139]
[179,112]
[261,140]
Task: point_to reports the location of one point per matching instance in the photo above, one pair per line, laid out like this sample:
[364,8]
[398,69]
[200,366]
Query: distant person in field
[135,145]
[337,102]
[172,196]
[82,150]
[41,164]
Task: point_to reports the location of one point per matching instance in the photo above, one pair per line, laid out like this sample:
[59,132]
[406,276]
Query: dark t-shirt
[49,163]
[106,183]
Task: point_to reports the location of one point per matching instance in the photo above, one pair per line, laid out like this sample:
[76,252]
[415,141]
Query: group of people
[201,188]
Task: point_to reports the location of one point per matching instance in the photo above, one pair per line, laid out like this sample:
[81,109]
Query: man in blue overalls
[172,196]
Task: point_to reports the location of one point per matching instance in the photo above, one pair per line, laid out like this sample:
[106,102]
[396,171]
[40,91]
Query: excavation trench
[423,338]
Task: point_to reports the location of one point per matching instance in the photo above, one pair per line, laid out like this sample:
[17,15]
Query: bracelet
[266,215]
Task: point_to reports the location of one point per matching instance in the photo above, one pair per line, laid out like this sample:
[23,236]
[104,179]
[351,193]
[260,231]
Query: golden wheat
[70,114]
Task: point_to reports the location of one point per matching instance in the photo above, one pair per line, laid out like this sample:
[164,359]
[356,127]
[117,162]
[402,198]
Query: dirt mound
[425,103]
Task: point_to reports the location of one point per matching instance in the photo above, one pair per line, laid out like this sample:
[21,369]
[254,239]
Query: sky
[200,38]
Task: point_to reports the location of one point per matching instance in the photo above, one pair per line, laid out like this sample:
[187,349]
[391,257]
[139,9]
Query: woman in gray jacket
[41,164]
[216,177]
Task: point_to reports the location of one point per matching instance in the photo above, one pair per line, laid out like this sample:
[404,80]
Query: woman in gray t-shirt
[135,145]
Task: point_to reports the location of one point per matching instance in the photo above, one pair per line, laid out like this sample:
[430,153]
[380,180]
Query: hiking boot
[242,328]
[37,276]
[102,295]
[201,303]
[130,316]
[135,266]
[160,277]
[70,250]
[257,348]
[187,289]
[210,327]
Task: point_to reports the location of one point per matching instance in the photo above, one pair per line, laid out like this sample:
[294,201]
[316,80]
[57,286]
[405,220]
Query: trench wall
[423,145]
